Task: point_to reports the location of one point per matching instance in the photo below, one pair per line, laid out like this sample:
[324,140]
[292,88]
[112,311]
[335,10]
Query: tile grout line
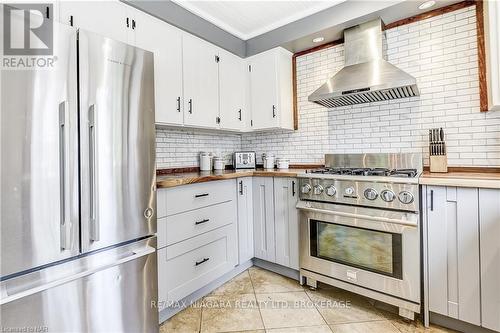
[314,304]
[256,301]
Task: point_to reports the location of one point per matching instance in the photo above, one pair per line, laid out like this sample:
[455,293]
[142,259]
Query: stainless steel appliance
[78,222]
[244,160]
[366,76]
[359,227]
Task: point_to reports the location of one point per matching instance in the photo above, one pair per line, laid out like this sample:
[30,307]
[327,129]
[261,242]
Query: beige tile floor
[261,301]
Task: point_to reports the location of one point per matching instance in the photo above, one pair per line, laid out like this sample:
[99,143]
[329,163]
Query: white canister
[268,160]
[282,163]
[219,163]
[205,161]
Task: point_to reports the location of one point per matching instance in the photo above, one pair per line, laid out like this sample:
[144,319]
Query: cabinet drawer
[182,226]
[188,197]
[190,265]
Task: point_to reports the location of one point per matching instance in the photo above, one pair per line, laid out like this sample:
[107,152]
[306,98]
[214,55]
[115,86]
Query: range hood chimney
[366,76]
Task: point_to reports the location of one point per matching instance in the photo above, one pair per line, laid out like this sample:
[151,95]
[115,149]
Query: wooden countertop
[183,178]
[462,179]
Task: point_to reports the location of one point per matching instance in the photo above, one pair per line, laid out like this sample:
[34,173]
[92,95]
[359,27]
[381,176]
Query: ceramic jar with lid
[205,161]
[268,160]
[219,163]
[282,163]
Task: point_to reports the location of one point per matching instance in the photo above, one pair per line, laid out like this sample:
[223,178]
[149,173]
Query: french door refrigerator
[78,200]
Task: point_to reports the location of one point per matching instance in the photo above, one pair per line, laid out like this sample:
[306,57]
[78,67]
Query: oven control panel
[400,196]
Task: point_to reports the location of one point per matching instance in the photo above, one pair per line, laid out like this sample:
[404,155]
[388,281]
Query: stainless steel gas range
[360,229]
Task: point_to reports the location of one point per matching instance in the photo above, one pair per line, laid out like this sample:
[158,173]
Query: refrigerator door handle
[94,223]
[140,252]
[65,230]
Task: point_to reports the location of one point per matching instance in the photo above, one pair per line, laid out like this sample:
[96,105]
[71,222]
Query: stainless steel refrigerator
[78,200]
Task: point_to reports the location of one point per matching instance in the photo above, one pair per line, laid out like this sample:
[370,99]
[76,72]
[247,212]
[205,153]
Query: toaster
[244,160]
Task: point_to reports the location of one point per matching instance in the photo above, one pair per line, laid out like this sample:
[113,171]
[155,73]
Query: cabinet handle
[128,25]
[202,221]
[201,261]
[47,12]
[293,188]
[241,187]
[190,106]
[71,20]
[239,114]
[201,195]
[178,104]
[432,200]
[274,111]
[133,24]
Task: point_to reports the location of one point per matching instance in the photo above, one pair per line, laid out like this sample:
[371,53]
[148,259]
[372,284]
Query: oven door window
[371,250]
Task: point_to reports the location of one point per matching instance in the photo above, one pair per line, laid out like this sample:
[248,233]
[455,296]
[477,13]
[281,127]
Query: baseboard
[198,294]
[456,324]
[278,269]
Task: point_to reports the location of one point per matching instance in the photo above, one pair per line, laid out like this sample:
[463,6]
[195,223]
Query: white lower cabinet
[263,218]
[286,222]
[463,251]
[190,265]
[489,223]
[276,220]
[245,219]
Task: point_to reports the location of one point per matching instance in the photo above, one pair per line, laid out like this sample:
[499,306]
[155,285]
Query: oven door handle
[363,217]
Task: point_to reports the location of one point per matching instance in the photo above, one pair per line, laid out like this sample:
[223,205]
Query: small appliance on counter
[438,160]
[244,160]
[206,161]
[268,160]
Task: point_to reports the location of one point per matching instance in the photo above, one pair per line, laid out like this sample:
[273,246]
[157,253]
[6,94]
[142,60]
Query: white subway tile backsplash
[441,52]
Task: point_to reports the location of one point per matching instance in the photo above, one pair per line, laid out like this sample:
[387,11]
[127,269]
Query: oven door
[372,248]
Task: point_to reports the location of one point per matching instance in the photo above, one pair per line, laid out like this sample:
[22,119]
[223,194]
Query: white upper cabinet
[492,43]
[201,82]
[166,43]
[271,89]
[232,86]
[106,18]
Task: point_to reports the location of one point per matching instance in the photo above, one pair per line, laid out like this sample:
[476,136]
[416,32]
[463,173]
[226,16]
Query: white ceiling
[247,19]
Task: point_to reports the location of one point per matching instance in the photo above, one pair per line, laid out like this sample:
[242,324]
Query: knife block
[438,163]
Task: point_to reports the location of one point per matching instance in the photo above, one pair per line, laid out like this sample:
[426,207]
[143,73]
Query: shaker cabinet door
[201,86]
[232,85]
[453,252]
[489,217]
[245,219]
[286,222]
[108,19]
[165,42]
[263,218]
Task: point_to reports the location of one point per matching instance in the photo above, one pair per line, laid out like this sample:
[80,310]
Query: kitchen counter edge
[462,179]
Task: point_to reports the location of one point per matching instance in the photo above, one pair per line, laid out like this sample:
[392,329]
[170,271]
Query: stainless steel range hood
[366,76]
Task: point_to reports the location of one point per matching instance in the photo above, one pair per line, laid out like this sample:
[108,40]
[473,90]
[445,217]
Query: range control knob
[306,188]
[349,191]
[387,195]
[318,189]
[331,190]
[405,197]
[371,194]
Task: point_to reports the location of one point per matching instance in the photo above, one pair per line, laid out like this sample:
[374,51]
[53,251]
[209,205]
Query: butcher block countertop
[462,179]
[183,178]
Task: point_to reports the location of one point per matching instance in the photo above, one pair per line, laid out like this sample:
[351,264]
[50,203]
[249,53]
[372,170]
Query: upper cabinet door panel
[201,86]
[165,42]
[232,85]
[108,19]
[263,90]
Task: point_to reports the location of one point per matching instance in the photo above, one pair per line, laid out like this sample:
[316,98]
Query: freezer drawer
[110,291]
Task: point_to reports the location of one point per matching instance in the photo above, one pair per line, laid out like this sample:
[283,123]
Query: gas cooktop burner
[408,173]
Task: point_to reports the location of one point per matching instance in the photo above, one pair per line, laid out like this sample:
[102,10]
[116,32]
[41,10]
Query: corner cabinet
[492,43]
[462,252]
[276,236]
[271,89]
